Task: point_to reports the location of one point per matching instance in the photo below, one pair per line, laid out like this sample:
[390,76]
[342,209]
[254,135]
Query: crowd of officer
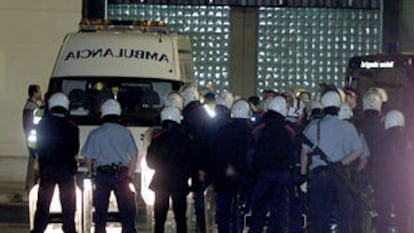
[281,160]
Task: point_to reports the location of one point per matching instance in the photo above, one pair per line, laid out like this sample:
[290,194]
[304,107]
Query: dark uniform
[395,189]
[170,155]
[230,173]
[194,117]
[273,146]
[57,145]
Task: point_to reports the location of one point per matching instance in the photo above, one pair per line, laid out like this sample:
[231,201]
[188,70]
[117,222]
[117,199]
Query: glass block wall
[302,47]
[208,28]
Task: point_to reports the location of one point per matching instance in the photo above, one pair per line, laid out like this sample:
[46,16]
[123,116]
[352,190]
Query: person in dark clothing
[57,145]
[32,103]
[370,125]
[272,152]
[170,155]
[194,123]
[230,168]
[395,189]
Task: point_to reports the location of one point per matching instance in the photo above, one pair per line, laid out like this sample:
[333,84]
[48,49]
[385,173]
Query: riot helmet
[279,105]
[190,94]
[331,99]
[371,101]
[110,107]
[171,113]
[394,118]
[241,109]
[58,99]
[381,92]
[225,98]
[174,99]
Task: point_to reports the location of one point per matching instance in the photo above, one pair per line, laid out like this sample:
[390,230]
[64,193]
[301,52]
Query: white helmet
[171,113]
[331,99]
[345,112]
[190,93]
[394,118]
[371,101]
[381,92]
[241,109]
[225,98]
[175,100]
[110,107]
[278,104]
[264,105]
[316,105]
[58,99]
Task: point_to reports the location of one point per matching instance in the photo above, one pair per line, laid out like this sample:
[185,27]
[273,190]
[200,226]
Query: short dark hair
[33,88]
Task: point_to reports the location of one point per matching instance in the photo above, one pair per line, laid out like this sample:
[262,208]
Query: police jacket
[273,145]
[57,143]
[395,160]
[372,128]
[170,154]
[231,148]
[28,109]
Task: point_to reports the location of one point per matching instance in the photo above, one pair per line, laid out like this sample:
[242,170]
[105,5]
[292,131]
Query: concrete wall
[31,34]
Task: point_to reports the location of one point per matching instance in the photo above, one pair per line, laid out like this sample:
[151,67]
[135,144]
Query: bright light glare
[55,207]
[210,110]
[32,136]
[147,174]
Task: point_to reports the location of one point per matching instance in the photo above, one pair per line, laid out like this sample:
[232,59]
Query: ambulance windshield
[140,99]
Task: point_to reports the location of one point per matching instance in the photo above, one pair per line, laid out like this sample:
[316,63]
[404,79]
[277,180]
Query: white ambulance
[137,64]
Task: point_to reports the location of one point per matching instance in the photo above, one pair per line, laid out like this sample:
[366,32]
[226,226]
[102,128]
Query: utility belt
[321,170]
[112,169]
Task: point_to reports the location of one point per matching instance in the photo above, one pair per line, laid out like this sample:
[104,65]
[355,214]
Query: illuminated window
[208,28]
[302,47]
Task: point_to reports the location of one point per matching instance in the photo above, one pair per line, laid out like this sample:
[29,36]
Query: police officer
[394,196]
[57,145]
[272,150]
[174,99]
[113,149]
[194,118]
[32,103]
[340,142]
[170,155]
[370,125]
[230,167]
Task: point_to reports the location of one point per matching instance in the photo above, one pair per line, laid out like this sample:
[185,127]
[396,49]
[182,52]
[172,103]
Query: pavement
[14,213]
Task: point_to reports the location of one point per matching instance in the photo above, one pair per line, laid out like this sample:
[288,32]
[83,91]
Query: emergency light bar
[102,24]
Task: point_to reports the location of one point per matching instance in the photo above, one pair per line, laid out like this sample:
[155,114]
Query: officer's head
[371,101]
[110,110]
[174,99]
[331,102]
[345,112]
[225,98]
[190,94]
[394,118]
[58,103]
[241,109]
[278,104]
[171,114]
